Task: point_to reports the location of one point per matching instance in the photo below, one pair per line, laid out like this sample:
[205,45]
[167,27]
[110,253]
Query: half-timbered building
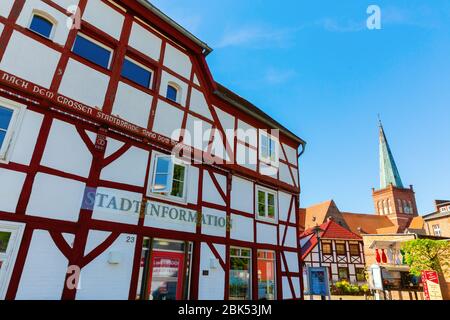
[127,172]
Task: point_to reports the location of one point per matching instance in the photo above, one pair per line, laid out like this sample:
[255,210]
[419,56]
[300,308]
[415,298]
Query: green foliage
[425,254]
[345,288]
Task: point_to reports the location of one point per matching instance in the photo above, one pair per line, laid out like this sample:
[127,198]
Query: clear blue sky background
[315,67]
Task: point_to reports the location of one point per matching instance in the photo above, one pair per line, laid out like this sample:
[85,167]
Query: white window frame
[47,17]
[266,217]
[16,230]
[274,162]
[437,232]
[13,128]
[250,266]
[167,195]
[97,43]
[150,85]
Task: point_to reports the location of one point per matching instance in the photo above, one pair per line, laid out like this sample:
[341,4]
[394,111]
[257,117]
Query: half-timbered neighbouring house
[127,172]
[337,248]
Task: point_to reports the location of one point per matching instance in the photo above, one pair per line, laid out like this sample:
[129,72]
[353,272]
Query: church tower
[393,199]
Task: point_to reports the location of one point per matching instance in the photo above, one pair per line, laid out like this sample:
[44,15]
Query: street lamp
[317,230]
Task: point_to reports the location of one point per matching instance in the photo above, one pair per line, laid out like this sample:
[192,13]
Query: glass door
[166,276]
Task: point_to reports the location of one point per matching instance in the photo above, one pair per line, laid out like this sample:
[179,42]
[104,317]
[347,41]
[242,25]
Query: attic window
[42,25]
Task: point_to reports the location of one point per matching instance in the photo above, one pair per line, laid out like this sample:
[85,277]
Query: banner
[431,287]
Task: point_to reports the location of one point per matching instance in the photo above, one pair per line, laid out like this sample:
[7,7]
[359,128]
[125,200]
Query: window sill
[181,201]
[268,220]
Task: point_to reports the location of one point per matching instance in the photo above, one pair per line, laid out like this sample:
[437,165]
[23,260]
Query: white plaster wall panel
[168,120]
[69,238]
[10,188]
[166,78]
[197,133]
[281,155]
[27,137]
[104,17]
[56,198]
[284,201]
[266,233]
[112,146]
[268,170]
[351,268]
[178,61]
[285,174]
[287,293]
[241,190]
[37,61]
[222,180]
[1,27]
[66,3]
[84,84]
[100,274]
[60,29]
[315,256]
[212,286]
[5,8]
[241,228]
[291,238]
[199,105]
[246,157]
[117,206]
[129,169]
[168,224]
[296,284]
[210,192]
[211,215]
[218,149]
[144,41]
[66,151]
[192,193]
[44,271]
[196,80]
[296,177]
[247,133]
[291,154]
[292,261]
[132,105]
[228,124]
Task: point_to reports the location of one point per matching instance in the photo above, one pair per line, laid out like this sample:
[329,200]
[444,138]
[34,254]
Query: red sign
[431,287]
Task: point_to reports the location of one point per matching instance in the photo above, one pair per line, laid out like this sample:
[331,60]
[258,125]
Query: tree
[424,254]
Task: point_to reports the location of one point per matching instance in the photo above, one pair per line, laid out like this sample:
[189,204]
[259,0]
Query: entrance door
[166,276]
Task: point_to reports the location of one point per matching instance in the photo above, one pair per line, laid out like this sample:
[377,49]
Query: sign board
[431,287]
[376,278]
[318,283]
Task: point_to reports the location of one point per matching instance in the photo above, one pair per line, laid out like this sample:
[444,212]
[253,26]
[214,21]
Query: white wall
[104,17]
[5,8]
[266,233]
[44,271]
[28,51]
[101,280]
[199,105]
[178,61]
[241,228]
[10,189]
[241,190]
[132,105]
[56,198]
[210,192]
[213,230]
[145,41]
[167,119]
[211,287]
[165,79]
[66,151]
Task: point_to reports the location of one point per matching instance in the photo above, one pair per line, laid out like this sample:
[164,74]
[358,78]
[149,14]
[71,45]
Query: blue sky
[315,67]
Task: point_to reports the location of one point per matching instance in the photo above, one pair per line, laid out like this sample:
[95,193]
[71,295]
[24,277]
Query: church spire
[388,169]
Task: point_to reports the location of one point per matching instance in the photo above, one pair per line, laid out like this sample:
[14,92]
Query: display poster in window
[318,282]
[431,286]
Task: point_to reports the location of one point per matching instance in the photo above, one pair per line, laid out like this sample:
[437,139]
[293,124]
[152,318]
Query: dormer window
[173,92]
[42,25]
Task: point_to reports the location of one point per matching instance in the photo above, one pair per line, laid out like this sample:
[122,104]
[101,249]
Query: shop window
[136,72]
[326,248]
[268,148]
[173,92]
[266,204]
[360,274]
[266,275]
[240,274]
[42,25]
[169,177]
[11,114]
[340,249]
[354,249]
[92,51]
[343,274]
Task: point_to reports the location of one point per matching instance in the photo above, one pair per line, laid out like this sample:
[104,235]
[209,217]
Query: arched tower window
[173,92]
[385,207]
[400,205]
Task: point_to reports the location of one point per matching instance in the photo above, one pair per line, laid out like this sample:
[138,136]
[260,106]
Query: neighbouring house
[335,247]
[127,172]
[438,223]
